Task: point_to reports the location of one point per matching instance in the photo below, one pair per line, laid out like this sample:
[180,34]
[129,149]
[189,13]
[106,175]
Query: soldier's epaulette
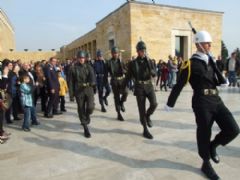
[185,64]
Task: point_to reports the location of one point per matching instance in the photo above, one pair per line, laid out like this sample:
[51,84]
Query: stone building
[7,38]
[164,28]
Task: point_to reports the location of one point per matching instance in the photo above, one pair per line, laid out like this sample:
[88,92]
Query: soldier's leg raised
[229,130]
[107,92]
[100,97]
[204,120]
[123,98]
[89,105]
[141,101]
[116,96]
[153,105]
[81,113]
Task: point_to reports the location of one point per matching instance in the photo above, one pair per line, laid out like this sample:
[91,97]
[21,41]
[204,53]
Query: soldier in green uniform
[117,70]
[204,77]
[81,83]
[141,70]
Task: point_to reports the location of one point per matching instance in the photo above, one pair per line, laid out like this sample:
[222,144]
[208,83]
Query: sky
[50,24]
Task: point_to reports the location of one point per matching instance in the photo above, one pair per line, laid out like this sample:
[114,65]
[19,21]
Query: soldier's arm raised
[183,79]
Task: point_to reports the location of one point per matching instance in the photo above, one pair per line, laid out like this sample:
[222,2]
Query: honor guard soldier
[81,84]
[117,70]
[100,68]
[204,77]
[88,59]
[141,70]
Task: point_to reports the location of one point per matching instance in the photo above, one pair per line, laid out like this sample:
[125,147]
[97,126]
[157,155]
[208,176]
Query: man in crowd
[233,66]
[53,87]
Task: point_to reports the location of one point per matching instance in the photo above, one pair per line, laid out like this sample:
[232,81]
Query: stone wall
[7,39]
[116,26]
[86,42]
[158,24]
[29,56]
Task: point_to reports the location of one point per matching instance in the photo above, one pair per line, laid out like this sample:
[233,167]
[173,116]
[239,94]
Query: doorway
[181,48]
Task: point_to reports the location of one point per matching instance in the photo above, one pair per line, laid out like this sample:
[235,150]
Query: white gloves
[226,84]
[168,108]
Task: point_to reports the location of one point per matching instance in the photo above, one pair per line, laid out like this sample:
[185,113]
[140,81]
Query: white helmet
[202,36]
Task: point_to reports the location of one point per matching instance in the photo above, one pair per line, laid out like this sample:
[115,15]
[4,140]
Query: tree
[224,51]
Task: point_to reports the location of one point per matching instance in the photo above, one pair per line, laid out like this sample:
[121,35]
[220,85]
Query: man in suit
[52,88]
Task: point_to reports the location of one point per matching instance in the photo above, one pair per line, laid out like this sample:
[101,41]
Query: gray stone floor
[57,150]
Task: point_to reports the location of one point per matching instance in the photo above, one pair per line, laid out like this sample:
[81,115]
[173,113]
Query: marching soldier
[117,70]
[141,70]
[102,80]
[88,59]
[206,103]
[81,83]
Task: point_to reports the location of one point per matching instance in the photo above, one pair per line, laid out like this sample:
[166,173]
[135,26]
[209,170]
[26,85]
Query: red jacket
[164,75]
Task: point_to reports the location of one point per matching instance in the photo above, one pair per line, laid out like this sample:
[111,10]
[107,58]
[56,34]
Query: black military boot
[87,134]
[119,117]
[122,107]
[105,100]
[146,133]
[208,170]
[213,152]
[103,109]
[149,121]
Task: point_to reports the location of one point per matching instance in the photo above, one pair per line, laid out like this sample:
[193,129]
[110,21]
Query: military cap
[114,50]
[81,54]
[99,53]
[141,45]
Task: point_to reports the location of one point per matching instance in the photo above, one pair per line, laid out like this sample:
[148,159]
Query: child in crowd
[164,76]
[63,91]
[27,102]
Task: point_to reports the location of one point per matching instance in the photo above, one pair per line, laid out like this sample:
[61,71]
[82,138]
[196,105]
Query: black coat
[202,76]
[51,78]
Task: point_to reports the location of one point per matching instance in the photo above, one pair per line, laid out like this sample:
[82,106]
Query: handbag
[6,100]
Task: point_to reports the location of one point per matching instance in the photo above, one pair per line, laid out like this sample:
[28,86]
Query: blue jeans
[232,77]
[27,116]
[33,114]
[172,78]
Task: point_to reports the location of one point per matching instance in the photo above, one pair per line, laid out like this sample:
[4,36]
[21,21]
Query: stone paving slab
[57,150]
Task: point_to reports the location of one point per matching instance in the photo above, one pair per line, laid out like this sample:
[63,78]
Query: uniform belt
[119,77]
[207,92]
[144,82]
[100,75]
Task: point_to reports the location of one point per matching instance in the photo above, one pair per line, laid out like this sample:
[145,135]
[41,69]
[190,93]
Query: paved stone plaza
[57,150]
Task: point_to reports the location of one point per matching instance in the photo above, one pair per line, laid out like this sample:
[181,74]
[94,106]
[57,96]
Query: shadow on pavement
[105,154]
